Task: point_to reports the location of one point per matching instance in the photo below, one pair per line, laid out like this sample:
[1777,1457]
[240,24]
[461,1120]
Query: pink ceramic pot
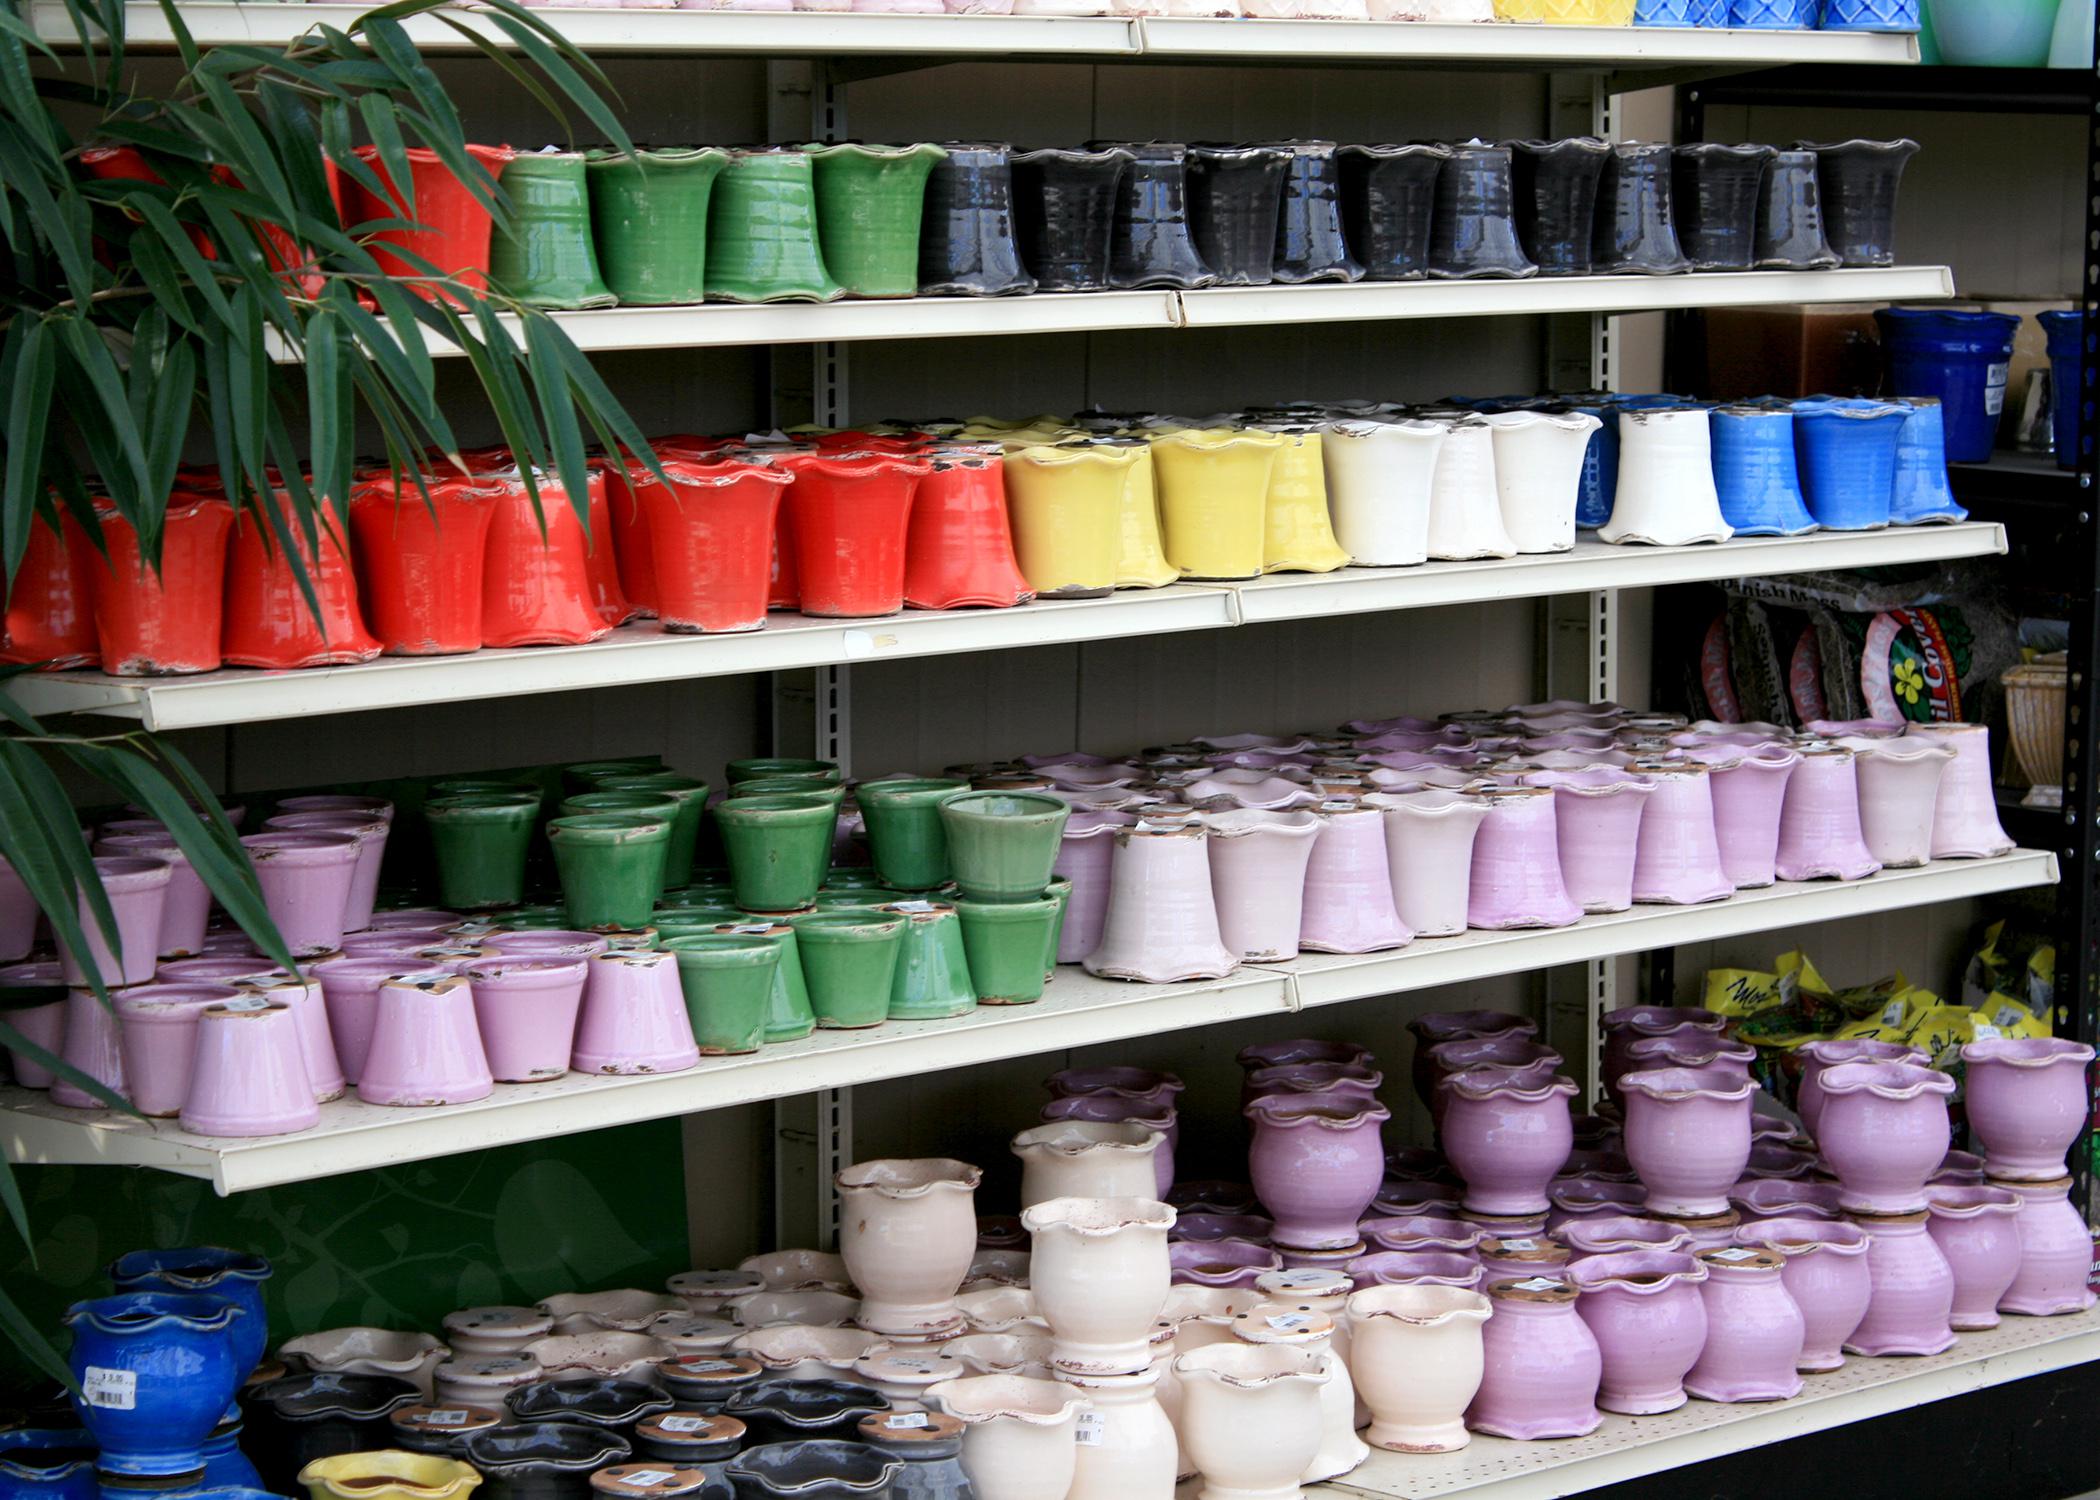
[1965,818]
[1542,1366]
[1511,1056]
[1221,1263]
[1884,1130]
[1314,1078]
[526,1010]
[1515,879]
[1162,924]
[1258,879]
[1577,1199]
[1771,1159]
[1411,1196]
[157,1030]
[2027,1100]
[1415,1233]
[1084,853]
[1597,820]
[1415,1268]
[1827,1276]
[92,1046]
[1703,1052]
[249,1077]
[1147,1086]
[426,1046]
[1507,1138]
[370,833]
[1817,1058]
[40,1025]
[1754,1332]
[303,998]
[1645,1309]
[634,1018]
[1678,860]
[137,887]
[306,880]
[1317,1162]
[1912,1303]
[1819,829]
[1348,885]
[1628,1024]
[1899,783]
[1513,1255]
[1429,856]
[1977,1229]
[2056,1252]
[1688,1137]
[1301,1050]
[1452,1026]
[1617,1234]
[1749,791]
[1961,1167]
[185,912]
[350,990]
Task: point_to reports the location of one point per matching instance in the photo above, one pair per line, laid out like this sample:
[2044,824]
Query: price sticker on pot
[682,1424]
[708,1366]
[648,1476]
[446,1416]
[1091,1430]
[1732,1256]
[246,1003]
[1290,1322]
[1538,1284]
[1516,1246]
[1995,379]
[911,906]
[905,1421]
[116,1390]
[753,927]
[916,1366]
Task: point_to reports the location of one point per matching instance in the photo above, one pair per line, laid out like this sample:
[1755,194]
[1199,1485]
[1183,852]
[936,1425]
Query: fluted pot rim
[1901,143]
[998,1309]
[1420,1306]
[1902,751]
[1253,1366]
[1450,1025]
[1831,1052]
[1074,455]
[912,152]
[1562,421]
[1769,757]
[1303,147]
[429,1478]
[140,1312]
[1962,1200]
[1416,1268]
[2027,1053]
[1376,427]
[1571,1193]
[1076,1138]
[899,1178]
[1315,1078]
[1200,439]
[1239,822]
[1274,1054]
[1161,1119]
[1236,151]
[1792,1235]
[1092,155]
[1431,1233]
[1885,1080]
[1391,151]
[1848,410]
[1096,1218]
[387,1351]
[1324,1111]
[1492,1083]
[1948,729]
[1241,1255]
[1189,1302]
[972,1399]
[1700,1050]
[1593,782]
[1619,1269]
[612,156]
[1621,1232]
[1675,1084]
[1659,1020]
[784,1345]
[1092,822]
[1119,1079]
[1746,151]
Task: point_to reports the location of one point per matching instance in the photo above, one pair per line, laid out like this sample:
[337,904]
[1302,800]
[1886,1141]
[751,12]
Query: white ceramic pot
[907,1233]
[1465,505]
[1429,855]
[1416,1355]
[1965,820]
[1288,1325]
[1125,1444]
[629,1309]
[1538,474]
[1379,479]
[1251,1418]
[370,1351]
[1162,923]
[1666,491]
[1087,1159]
[1017,1434]
[1899,788]
[1257,879]
[796,1352]
[1100,1274]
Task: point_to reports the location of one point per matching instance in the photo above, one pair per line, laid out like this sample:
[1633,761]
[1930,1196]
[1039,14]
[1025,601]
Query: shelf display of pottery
[1760,15]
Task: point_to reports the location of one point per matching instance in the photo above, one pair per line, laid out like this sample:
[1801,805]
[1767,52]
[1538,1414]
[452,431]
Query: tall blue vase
[1847,455]
[156,1371]
[47,1463]
[1922,492]
[1756,472]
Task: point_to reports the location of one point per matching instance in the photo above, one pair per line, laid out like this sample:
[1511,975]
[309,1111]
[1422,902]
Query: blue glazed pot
[1847,456]
[205,1271]
[1871,15]
[1709,12]
[47,1463]
[226,1465]
[1922,492]
[2066,331]
[1963,358]
[1774,15]
[158,1370]
[1756,473]
[1600,468]
[1662,12]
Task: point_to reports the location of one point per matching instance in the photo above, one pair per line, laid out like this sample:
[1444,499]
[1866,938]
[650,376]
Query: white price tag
[1986,1033]
[683,1424]
[1892,1013]
[1091,1431]
[1303,1278]
[648,1476]
[1539,1284]
[1519,1245]
[917,1366]
[752,927]
[709,1366]
[1995,379]
[914,906]
[905,1420]
[116,1389]
[246,1003]
[1289,1322]
[447,1416]
[1735,1254]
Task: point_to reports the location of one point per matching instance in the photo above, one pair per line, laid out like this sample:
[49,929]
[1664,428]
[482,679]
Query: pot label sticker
[917,1366]
[905,1420]
[913,906]
[648,1476]
[709,1366]
[1736,1254]
[1091,1431]
[446,1416]
[1303,1278]
[1987,1033]
[1995,379]
[246,1003]
[118,1390]
[1539,1284]
[1289,1322]
[683,1424]
[753,927]
[1519,1245]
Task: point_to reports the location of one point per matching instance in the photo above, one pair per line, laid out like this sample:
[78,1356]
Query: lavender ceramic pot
[1977,1230]
[1514,1255]
[1597,817]
[1884,1131]
[1912,1303]
[1820,837]
[1618,1234]
[1578,1198]
[2056,1253]
[1507,1137]
[1688,1136]
[1515,875]
[1415,1268]
[1628,1024]
[1818,1058]
[1509,1055]
[1677,860]
[1749,791]
[1456,1025]
[1649,1319]
[1826,1274]
[2027,1100]
[1348,888]
[1316,1162]
[1542,1364]
[1754,1332]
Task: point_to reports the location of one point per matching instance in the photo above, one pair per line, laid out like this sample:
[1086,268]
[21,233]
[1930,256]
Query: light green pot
[479,841]
[849,960]
[788,1016]
[690,793]
[611,867]
[905,839]
[545,257]
[762,241]
[1001,845]
[1060,891]
[728,984]
[870,201]
[754,767]
[779,848]
[933,968]
[649,218]
[1005,942]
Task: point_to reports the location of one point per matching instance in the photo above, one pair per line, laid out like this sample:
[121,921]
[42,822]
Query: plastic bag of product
[2017,964]
[1743,992]
[1895,1018]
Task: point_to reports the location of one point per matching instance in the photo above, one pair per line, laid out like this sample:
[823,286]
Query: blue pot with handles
[156,1372]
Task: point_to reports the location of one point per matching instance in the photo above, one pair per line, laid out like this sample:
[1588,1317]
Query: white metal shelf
[643,653]
[1627,1448]
[1076,1011]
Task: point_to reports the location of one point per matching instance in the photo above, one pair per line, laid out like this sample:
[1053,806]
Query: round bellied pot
[1687,1136]
[1100,1272]
[1818,1057]
[440,1430]
[1417,1359]
[1649,1319]
[2026,1100]
[48,1463]
[1507,1136]
[542,1461]
[1316,1163]
[1826,1274]
[235,1276]
[1754,1331]
[2055,1253]
[1133,1449]
[1251,1417]
[157,1371]
[910,1232]
[1087,1159]
[1884,1131]
[1018,1434]
[794,1411]
[388,1475]
[1542,1366]
[1911,1305]
[1977,1230]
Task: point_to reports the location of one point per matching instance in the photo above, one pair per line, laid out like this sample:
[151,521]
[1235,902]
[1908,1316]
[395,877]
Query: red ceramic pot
[50,616]
[421,562]
[960,549]
[602,558]
[711,529]
[630,537]
[455,228]
[851,517]
[150,624]
[268,620]
[536,590]
[127,163]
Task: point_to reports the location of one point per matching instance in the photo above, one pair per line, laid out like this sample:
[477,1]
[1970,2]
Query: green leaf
[324,405]
[43,869]
[88,353]
[550,380]
[32,381]
[11,1194]
[29,1338]
[378,113]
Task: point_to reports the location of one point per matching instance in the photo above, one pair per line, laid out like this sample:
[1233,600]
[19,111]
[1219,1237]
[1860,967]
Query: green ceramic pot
[648,804]
[831,900]
[728,984]
[460,786]
[649,218]
[933,969]
[855,879]
[1059,890]
[545,257]
[690,793]
[789,786]
[762,231]
[754,767]
[788,1016]
[710,916]
[779,848]
[611,867]
[849,959]
[584,775]
[631,939]
[1001,845]
[479,841]
[1005,941]
[905,838]
[870,200]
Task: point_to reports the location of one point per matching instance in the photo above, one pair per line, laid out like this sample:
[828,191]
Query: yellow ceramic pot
[1213,500]
[388,1474]
[1066,505]
[1567,12]
[1140,564]
[1299,535]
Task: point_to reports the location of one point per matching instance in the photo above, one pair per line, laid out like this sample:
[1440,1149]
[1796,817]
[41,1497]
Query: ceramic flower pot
[234,1276]
[1308,1328]
[779,846]
[454,227]
[1348,893]
[543,1459]
[1859,180]
[1648,1317]
[1899,784]
[761,243]
[1665,495]
[1161,923]
[1136,1452]
[1538,473]
[1064,212]
[1002,846]
[2025,1103]
[268,621]
[1213,497]
[1515,874]
[1141,561]
[1714,192]
[1008,944]
[1554,190]
[1316,1163]
[1677,861]
[848,518]
[536,568]
[54,1462]
[1688,1136]
[1298,534]
[368,1351]
[306,881]
[1473,228]
[1065,503]
[1755,472]
[1922,492]
[649,222]
[1235,196]
[1965,818]
[1827,1276]
[1847,454]
[1429,841]
[1251,1417]
[1789,222]
[1507,1135]
[728,986]
[419,556]
[1087,1159]
[50,615]
[545,256]
[2053,1238]
[797,1413]
[967,246]
[932,979]
[960,547]
[1912,1297]
[1379,481]
[1883,1129]
[1820,835]
[156,1371]
[711,530]
[1977,1230]
[905,837]
[1258,879]
[1597,815]
[1465,506]
[1541,1365]
[1018,1433]
[426,1046]
[1310,242]
[1100,1271]
[1388,207]
[1150,244]
[1755,1333]
[870,200]
[1636,230]
[1818,1057]
[151,623]
[910,1229]
[611,865]
[849,962]
[157,1033]
[137,887]
[1417,1359]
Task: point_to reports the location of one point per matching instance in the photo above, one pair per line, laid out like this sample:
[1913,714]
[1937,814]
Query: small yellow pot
[388,1474]
[1567,12]
[1299,534]
[1066,505]
[1213,500]
[1140,564]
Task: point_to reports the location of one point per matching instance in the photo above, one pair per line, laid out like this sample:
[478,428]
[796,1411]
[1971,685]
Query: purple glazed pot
[250,1073]
[1348,885]
[1678,860]
[370,833]
[1778,1160]
[526,1010]
[1507,1138]
[634,1017]
[306,881]
[1977,1229]
[137,887]
[1429,836]
[350,990]
[1913,1296]
[157,1029]
[1961,1166]
[1817,1058]
[1691,1049]
[1827,1276]
[1512,1256]
[1415,1268]
[1688,1136]
[1404,1197]
[1204,1229]
[1222,1263]
[1597,818]
[1452,1026]
[1543,1366]
[1786,1198]
[185,913]
[1884,1131]
[1819,830]
[42,1025]
[1146,1086]
[548,943]
[426,1046]
[2027,1100]
[310,1010]
[91,1045]
[1749,792]
[1302,1050]
[2056,1253]
[1628,1024]
[1579,1198]
[1754,1332]
[1317,1163]
[1515,877]
[1645,1308]
[1509,1056]
[1616,1234]
[1415,1233]
[1314,1078]
[1084,852]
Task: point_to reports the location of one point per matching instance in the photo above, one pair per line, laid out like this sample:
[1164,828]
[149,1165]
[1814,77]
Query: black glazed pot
[1473,228]
[929,1443]
[785,1411]
[543,1460]
[439,1430]
[1713,195]
[1859,181]
[967,245]
[1554,184]
[1150,244]
[299,1418]
[1388,198]
[1789,234]
[1310,245]
[1235,199]
[822,1470]
[1635,233]
[606,1403]
[1065,214]
[705,1382]
[692,1440]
